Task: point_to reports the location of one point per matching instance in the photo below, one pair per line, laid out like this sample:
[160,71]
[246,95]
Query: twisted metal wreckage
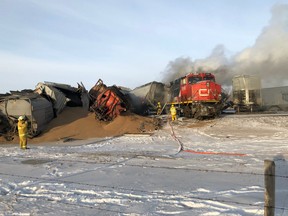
[39,106]
[49,99]
[195,95]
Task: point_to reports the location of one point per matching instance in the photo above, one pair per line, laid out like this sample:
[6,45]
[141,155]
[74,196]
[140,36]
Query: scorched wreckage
[107,102]
[194,95]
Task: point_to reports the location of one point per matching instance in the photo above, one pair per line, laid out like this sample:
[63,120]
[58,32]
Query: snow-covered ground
[220,171]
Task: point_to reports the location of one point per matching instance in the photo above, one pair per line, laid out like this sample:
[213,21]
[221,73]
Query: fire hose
[181,147]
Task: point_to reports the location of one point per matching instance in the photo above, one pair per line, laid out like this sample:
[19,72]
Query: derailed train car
[37,110]
[62,95]
[107,102]
[144,98]
[39,106]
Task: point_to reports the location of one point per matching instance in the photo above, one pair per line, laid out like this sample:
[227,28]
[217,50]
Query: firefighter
[23,132]
[173,112]
[159,108]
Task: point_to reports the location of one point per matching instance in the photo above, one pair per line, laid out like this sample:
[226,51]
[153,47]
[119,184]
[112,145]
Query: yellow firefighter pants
[173,113]
[173,117]
[23,141]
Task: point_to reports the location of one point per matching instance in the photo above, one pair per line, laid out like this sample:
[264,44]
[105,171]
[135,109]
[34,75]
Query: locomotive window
[209,78]
[183,81]
[193,80]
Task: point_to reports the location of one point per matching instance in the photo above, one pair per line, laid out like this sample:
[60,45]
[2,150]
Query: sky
[123,42]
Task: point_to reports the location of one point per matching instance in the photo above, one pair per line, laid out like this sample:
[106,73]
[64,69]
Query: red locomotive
[196,95]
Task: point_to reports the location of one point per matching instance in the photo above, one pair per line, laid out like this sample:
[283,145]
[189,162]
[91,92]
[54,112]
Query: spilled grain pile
[76,123]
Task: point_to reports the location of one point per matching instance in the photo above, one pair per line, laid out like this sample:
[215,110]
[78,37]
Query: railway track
[254,114]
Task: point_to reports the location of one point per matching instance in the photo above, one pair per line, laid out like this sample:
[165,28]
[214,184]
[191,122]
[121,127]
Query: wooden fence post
[269,175]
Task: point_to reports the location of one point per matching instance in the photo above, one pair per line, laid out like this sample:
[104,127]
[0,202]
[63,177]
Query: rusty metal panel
[107,102]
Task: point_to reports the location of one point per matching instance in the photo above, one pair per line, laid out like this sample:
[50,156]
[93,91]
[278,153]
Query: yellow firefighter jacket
[22,128]
[173,111]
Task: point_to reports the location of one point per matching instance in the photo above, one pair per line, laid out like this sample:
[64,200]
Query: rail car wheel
[197,115]
[274,109]
[187,112]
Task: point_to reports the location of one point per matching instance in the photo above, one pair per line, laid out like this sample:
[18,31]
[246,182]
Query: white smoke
[267,58]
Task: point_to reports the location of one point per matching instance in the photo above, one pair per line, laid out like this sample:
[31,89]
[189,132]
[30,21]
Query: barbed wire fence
[270,205]
[269,175]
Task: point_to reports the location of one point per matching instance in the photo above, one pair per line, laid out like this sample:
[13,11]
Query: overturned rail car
[62,95]
[5,128]
[144,98]
[107,102]
[37,110]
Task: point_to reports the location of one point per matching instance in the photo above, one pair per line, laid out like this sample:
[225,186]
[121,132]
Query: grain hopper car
[37,110]
[107,102]
[144,98]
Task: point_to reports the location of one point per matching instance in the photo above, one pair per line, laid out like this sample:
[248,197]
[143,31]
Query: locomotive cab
[199,87]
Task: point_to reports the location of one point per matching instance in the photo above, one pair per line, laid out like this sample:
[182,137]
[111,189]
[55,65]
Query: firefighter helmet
[21,118]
